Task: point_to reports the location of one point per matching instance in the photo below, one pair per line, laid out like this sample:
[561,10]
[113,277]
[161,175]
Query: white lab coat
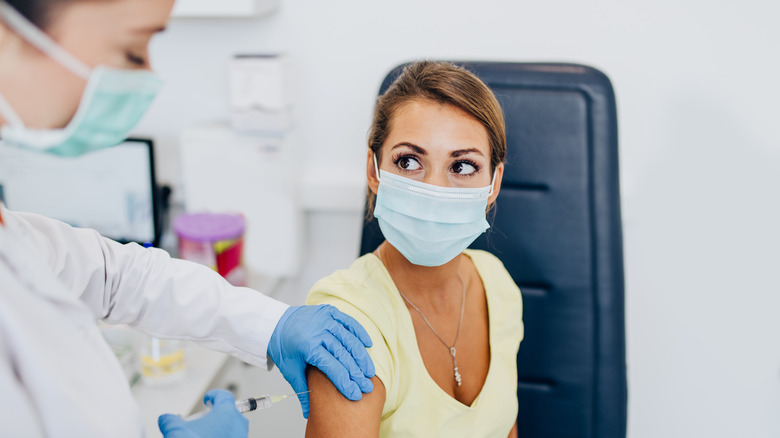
[58,377]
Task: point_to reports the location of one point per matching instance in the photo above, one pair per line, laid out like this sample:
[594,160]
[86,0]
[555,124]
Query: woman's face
[437,144]
[113,33]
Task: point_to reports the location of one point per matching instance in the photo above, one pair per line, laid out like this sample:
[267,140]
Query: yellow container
[163,361]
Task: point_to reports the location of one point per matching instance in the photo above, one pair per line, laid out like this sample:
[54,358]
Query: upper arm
[513,432]
[332,415]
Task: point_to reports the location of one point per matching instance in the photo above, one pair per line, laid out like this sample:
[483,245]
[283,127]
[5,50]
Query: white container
[223,8]
[260,94]
[253,175]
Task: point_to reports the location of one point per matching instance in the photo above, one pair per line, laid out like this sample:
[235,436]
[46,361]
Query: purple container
[209,227]
[215,240]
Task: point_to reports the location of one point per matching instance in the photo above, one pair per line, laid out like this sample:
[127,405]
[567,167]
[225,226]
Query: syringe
[245,405]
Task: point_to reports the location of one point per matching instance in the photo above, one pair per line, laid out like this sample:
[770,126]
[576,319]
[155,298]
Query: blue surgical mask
[113,101]
[428,224]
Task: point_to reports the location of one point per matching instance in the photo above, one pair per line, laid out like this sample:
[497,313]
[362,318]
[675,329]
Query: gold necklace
[453,352]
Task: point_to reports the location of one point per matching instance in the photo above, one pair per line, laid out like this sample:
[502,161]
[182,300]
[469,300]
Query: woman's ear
[371,176]
[496,184]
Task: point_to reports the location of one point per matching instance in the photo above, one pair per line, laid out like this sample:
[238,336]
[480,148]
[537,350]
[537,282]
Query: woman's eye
[463,168]
[408,163]
[137,60]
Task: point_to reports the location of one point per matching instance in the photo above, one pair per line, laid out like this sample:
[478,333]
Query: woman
[445,321]
[74,77]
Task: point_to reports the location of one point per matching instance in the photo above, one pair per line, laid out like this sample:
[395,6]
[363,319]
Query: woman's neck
[433,286]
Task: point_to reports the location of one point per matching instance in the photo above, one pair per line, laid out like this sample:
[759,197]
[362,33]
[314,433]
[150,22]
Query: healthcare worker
[75,77]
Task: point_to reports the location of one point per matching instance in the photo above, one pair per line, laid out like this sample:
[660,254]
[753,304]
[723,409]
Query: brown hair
[444,83]
[39,12]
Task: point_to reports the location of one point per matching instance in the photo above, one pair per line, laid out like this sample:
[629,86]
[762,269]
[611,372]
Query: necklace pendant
[455,365]
[453,352]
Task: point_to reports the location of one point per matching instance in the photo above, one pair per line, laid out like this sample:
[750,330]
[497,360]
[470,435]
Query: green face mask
[113,102]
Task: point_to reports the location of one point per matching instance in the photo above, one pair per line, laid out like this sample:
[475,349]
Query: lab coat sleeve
[18,415]
[159,295]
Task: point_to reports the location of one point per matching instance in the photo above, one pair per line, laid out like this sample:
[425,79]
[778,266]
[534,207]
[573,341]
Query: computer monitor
[113,190]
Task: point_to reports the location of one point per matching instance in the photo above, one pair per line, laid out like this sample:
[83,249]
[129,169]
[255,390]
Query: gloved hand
[328,339]
[224,420]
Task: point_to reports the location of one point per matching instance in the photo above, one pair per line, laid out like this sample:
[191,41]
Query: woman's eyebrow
[411,146]
[459,152]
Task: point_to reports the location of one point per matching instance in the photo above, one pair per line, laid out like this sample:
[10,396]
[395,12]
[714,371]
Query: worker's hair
[445,83]
[40,12]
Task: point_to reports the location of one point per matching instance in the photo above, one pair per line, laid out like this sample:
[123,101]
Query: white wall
[697,91]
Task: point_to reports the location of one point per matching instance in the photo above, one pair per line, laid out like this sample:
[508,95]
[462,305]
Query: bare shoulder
[332,415]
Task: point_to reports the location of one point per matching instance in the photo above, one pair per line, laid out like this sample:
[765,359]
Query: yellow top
[415,405]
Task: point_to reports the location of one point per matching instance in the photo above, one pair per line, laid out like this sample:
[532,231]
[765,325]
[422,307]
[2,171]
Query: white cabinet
[223,8]
[223,171]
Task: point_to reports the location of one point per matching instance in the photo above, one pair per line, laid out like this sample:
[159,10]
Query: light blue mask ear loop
[16,21]
[41,41]
[492,183]
[113,101]
[9,114]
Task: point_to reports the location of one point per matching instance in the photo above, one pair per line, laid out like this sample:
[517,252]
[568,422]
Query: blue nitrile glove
[224,420]
[328,339]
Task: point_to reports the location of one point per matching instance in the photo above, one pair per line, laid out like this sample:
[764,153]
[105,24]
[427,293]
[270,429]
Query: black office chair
[557,228]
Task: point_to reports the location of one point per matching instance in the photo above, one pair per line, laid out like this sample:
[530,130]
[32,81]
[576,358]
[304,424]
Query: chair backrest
[557,229]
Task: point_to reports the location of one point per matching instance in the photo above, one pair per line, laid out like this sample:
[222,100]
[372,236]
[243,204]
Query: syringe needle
[247,405]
